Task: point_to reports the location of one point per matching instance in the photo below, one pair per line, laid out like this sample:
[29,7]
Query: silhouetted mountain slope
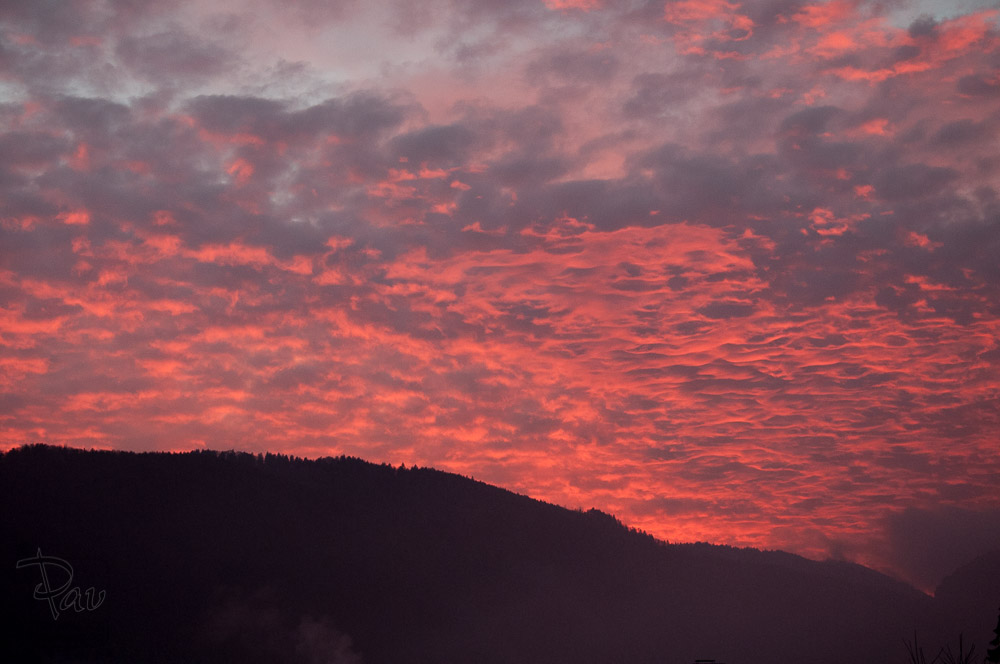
[213,557]
[968,601]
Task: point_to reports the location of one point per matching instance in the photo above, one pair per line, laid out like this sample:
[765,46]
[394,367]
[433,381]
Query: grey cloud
[505,12]
[30,148]
[606,204]
[929,544]
[904,53]
[43,252]
[438,146]
[59,54]
[978,85]
[655,94]
[163,56]
[923,26]
[49,20]
[359,115]
[531,128]
[238,114]
[959,131]
[723,310]
[810,121]
[575,65]
[92,116]
[710,188]
[913,181]
[296,376]
[743,119]
[314,13]
[520,170]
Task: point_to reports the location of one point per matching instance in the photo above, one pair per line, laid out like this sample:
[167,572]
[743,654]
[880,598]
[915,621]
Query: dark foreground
[208,557]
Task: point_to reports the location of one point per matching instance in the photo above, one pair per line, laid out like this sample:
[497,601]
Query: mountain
[218,557]
[967,601]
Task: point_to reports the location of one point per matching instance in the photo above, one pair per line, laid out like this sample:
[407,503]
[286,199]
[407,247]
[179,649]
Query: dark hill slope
[967,601]
[219,557]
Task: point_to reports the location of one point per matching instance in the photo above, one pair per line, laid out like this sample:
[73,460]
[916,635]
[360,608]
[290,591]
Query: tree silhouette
[916,652]
[962,657]
[227,556]
[993,653]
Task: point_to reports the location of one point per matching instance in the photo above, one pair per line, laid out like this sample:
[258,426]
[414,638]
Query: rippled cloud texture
[727,270]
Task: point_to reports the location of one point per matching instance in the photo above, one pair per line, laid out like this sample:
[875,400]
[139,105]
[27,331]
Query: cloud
[978,86]
[675,262]
[932,543]
[565,65]
[173,55]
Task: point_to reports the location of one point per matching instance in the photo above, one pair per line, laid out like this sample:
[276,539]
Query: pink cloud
[723,270]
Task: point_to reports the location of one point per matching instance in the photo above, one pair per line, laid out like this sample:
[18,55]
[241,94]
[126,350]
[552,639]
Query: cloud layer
[728,270]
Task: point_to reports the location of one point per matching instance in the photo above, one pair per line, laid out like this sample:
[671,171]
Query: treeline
[229,556]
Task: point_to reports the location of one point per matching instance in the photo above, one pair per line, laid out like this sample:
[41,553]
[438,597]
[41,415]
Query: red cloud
[723,270]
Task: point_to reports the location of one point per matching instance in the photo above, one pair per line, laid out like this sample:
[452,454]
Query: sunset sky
[727,270]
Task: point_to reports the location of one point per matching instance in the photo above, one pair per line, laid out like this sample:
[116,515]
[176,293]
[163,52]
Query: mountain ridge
[219,555]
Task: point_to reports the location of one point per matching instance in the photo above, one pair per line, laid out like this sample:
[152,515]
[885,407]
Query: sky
[727,270]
